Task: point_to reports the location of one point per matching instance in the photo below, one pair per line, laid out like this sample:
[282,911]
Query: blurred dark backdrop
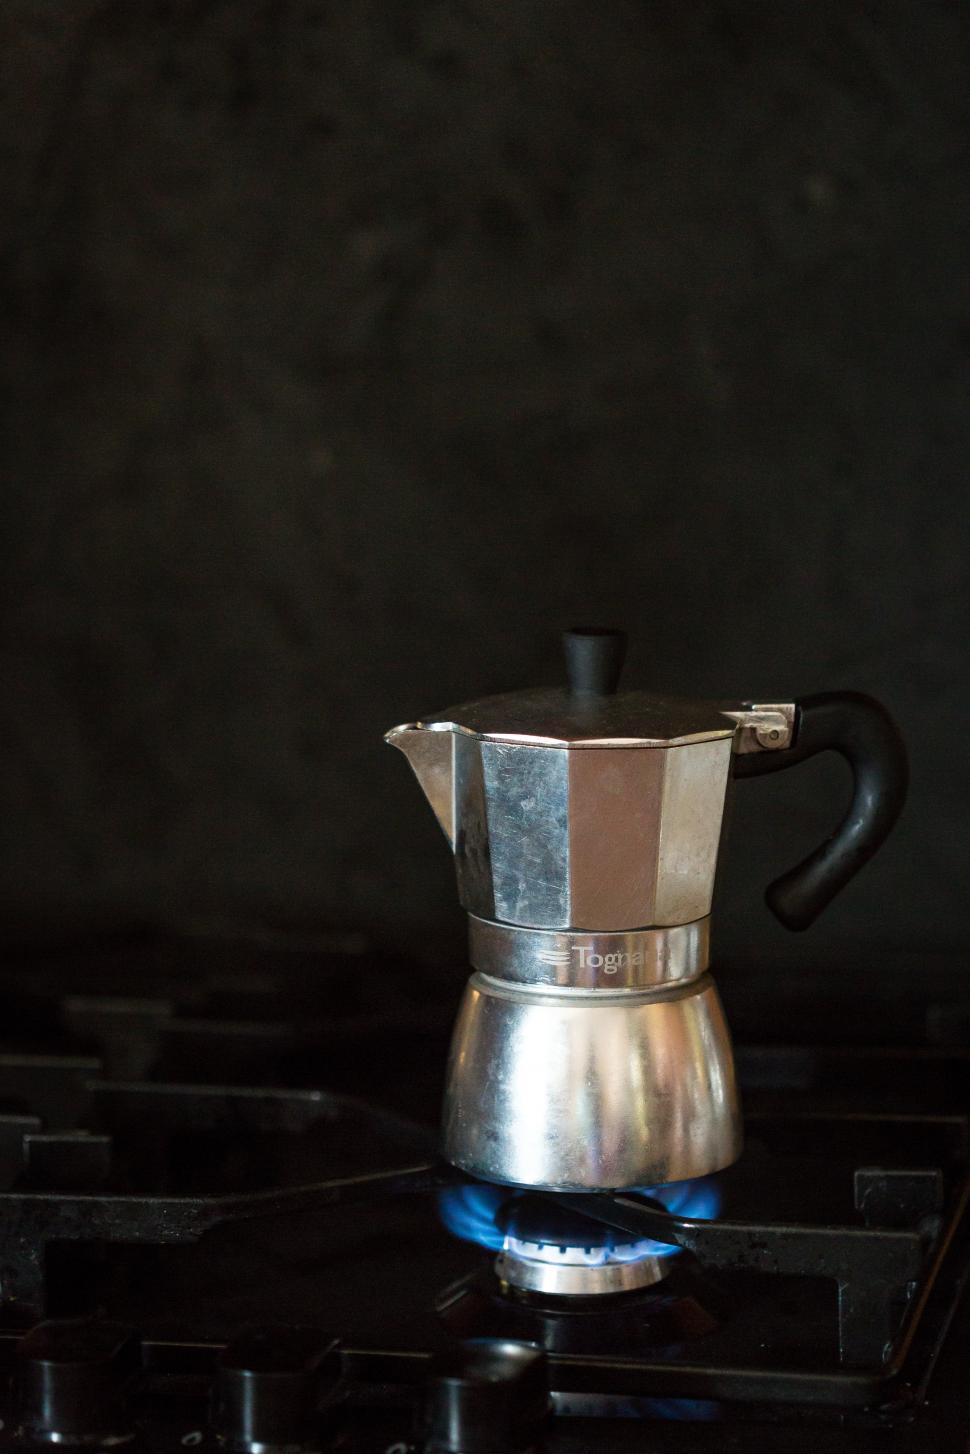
[351,351]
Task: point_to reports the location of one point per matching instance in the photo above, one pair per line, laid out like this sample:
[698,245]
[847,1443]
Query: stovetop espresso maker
[591,1050]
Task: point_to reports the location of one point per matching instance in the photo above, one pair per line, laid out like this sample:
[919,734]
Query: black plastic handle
[861,730]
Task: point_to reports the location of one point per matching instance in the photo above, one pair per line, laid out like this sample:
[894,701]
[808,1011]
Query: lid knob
[594,660]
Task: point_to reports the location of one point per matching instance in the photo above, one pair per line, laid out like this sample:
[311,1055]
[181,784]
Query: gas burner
[550,1250]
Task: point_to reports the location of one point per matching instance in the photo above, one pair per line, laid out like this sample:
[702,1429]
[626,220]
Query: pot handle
[863,732]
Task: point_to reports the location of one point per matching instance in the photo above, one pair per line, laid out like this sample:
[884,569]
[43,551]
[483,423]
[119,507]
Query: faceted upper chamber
[588,824]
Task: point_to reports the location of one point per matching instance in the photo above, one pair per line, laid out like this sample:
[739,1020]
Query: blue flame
[470,1212]
[699,1198]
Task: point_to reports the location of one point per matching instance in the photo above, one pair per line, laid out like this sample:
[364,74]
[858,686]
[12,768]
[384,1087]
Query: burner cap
[549,1249]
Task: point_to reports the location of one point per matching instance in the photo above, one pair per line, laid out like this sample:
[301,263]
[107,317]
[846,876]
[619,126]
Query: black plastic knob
[275,1386]
[594,660]
[73,1379]
[488,1396]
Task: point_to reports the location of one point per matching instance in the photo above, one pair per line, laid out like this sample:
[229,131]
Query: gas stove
[225,1224]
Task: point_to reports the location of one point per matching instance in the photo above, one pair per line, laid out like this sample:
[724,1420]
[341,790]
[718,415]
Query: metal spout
[431,753]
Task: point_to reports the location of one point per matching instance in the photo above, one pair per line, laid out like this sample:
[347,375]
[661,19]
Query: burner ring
[564,1279]
[549,1250]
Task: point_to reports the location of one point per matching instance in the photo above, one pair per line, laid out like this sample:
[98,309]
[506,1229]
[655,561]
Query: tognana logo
[608,963]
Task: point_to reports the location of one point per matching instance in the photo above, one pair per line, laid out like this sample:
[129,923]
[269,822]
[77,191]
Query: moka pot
[591,1051]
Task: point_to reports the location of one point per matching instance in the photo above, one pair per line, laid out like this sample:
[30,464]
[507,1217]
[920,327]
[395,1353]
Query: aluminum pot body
[584,1091]
[608,838]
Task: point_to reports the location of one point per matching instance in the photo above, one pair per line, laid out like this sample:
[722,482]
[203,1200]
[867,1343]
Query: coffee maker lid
[589,712]
[555,717]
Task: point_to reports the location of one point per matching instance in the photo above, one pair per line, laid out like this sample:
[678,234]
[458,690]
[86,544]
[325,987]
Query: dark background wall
[350,351]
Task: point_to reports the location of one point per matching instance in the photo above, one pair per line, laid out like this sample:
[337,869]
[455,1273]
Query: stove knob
[275,1387]
[489,1396]
[73,1376]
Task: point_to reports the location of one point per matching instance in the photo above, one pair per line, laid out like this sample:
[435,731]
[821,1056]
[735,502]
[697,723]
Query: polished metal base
[589,1092]
[563,1272]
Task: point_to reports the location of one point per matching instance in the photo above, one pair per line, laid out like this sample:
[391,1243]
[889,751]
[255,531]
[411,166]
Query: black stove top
[220,1226]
